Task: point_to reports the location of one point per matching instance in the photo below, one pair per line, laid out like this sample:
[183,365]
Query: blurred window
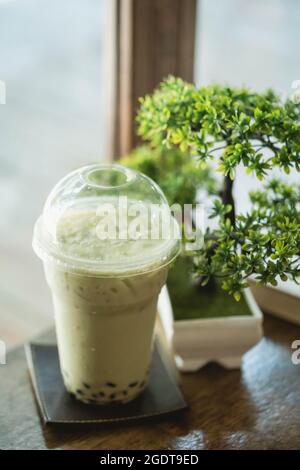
[52,63]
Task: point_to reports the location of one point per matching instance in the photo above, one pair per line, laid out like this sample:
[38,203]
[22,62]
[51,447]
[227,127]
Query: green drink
[105,288]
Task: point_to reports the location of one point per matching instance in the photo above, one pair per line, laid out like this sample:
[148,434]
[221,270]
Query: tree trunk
[227,197]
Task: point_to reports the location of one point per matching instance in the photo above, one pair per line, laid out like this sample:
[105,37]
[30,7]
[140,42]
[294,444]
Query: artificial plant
[237,126]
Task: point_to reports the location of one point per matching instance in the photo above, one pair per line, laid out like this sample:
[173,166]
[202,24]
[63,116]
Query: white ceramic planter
[222,340]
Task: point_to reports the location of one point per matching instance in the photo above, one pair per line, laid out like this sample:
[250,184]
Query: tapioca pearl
[124,392]
[133,384]
[101,394]
[112,396]
[114,290]
[110,384]
[86,385]
[79,392]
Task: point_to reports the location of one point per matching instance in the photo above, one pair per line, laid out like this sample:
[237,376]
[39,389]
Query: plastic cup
[105,269]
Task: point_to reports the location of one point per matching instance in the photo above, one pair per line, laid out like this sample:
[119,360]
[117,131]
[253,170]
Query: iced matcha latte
[105,282]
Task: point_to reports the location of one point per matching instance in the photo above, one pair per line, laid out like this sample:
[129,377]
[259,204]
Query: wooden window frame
[153,38]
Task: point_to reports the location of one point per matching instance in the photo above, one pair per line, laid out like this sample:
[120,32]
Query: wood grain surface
[255,408]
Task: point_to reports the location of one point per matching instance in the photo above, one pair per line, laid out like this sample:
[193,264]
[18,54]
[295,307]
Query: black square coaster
[162,395]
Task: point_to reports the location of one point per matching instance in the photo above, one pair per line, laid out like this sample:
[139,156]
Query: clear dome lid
[106,219]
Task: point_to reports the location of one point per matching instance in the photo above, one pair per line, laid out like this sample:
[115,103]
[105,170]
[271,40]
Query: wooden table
[255,408]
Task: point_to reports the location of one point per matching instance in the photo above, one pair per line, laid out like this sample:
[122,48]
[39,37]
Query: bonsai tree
[237,126]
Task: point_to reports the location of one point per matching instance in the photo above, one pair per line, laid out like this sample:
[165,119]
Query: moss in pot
[190,304]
